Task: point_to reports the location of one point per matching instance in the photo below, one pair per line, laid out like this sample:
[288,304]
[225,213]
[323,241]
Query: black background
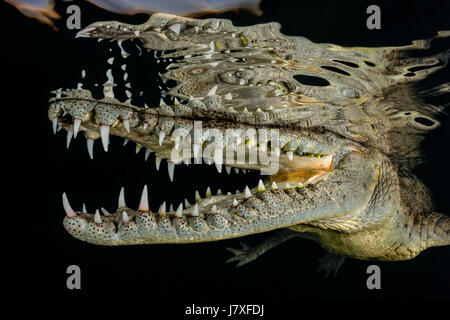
[38,168]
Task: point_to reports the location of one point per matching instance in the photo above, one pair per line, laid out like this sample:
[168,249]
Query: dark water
[38,168]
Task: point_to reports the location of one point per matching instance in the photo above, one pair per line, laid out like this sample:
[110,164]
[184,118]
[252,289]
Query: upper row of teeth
[144,203]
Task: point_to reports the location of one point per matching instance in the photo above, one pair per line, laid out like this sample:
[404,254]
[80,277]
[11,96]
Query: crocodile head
[326,126]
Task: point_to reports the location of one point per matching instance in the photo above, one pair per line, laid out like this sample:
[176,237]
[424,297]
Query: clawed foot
[244,255]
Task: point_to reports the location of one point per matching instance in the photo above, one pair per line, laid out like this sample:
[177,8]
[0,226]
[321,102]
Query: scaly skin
[347,148]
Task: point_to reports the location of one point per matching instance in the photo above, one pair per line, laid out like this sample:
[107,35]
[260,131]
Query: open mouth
[206,87]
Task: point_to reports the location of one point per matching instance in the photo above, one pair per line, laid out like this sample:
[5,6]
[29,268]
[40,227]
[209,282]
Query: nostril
[424,121]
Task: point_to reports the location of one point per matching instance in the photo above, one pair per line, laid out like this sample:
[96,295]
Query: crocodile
[349,122]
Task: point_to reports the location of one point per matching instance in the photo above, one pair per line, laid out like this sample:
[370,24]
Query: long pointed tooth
[261,186]
[171,208]
[235,202]
[76,127]
[175,28]
[274,186]
[122,203]
[69,138]
[195,212]
[228,169]
[104,133]
[67,208]
[290,155]
[236,170]
[162,134]
[147,153]
[208,192]
[125,141]
[157,162]
[197,196]
[105,212]
[219,192]
[84,208]
[179,212]
[126,124]
[171,169]
[138,148]
[97,217]
[90,147]
[186,203]
[54,124]
[125,217]
[143,204]
[248,194]
[212,91]
[162,209]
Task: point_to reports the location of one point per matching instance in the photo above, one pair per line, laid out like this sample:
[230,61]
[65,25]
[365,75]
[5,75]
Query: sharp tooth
[147,153]
[138,148]
[195,212]
[212,91]
[162,209]
[300,185]
[143,205]
[242,82]
[69,138]
[84,208]
[125,141]
[111,60]
[258,110]
[248,194]
[261,186]
[236,170]
[97,217]
[274,186]
[175,28]
[145,125]
[137,33]
[208,192]
[104,133]
[214,209]
[90,147]
[157,162]
[76,126]
[105,212]
[54,124]
[197,196]
[186,203]
[228,96]
[67,208]
[126,124]
[235,202]
[179,212]
[157,29]
[171,208]
[237,192]
[162,134]
[245,109]
[290,155]
[171,169]
[196,28]
[228,169]
[125,217]
[219,192]
[175,101]
[161,102]
[288,185]
[122,203]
